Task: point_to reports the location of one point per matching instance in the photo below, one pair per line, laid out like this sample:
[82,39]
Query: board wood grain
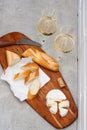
[39,102]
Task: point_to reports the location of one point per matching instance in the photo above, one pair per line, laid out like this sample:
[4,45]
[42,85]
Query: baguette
[46,61]
[22,75]
[30,66]
[26,53]
[33,89]
[34,74]
[12,58]
[43,59]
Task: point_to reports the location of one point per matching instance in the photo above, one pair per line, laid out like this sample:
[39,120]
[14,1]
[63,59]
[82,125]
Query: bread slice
[22,74]
[30,66]
[33,89]
[27,53]
[12,58]
[34,74]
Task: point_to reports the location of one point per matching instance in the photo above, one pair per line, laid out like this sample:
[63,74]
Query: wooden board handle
[13,37]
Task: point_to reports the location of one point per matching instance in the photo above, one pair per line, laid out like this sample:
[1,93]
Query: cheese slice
[64,104]
[50,102]
[63,112]
[54,108]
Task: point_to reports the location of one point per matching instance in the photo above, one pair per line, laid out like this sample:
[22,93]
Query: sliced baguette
[12,58]
[43,59]
[30,66]
[33,89]
[34,74]
[22,74]
[27,53]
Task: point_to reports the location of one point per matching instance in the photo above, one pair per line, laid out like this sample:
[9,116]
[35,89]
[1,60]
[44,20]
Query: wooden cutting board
[39,102]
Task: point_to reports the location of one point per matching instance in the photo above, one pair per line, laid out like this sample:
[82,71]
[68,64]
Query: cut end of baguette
[30,66]
[21,75]
[34,74]
[12,58]
[27,53]
[33,89]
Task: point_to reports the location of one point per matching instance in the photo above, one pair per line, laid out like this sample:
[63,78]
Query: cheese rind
[64,104]
[54,108]
[63,112]
[56,95]
[50,102]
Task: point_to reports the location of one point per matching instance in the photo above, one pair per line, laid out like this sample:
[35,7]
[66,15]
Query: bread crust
[30,66]
[22,74]
[33,89]
[43,59]
[12,58]
[34,74]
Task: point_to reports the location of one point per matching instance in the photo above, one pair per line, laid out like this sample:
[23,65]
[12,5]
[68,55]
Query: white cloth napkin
[18,87]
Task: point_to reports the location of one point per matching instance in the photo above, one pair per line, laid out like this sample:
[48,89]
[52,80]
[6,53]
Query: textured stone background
[22,16]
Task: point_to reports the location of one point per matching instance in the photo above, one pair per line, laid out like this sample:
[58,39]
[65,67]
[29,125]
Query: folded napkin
[19,89]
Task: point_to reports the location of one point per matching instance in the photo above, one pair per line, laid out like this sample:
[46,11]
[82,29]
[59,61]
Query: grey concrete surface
[22,16]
